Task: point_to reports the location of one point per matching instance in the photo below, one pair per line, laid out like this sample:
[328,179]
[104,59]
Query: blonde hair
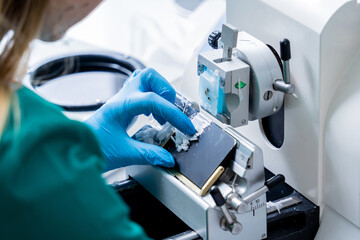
[20,22]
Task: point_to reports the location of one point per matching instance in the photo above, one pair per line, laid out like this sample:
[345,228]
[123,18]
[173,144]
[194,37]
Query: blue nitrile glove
[145,92]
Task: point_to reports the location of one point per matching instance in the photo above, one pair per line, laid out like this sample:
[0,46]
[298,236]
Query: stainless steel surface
[281,86]
[188,235]
[234,228]
[244,154]
[235,201]
[238,169]
[286,67]
[251,197]
[242,204]
[230,220]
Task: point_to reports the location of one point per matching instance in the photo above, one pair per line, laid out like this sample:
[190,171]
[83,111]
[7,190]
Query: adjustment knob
[285,52]
[228,222]
[214,38]
[217,196]
[275,180]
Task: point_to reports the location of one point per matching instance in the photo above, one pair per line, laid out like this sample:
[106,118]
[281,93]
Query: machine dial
[214,38]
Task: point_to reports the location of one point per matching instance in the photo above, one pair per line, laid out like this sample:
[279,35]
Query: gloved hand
[145,92]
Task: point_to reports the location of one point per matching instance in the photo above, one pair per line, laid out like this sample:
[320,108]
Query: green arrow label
[242,85]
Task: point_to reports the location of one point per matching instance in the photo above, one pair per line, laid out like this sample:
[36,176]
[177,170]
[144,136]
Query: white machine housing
[321,155]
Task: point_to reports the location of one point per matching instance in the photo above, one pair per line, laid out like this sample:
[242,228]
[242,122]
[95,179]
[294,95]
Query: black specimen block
[205,155]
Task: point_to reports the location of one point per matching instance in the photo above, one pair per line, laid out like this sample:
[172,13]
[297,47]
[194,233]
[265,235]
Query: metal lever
[228,222]
[285,53]
[240,204]
[281,86]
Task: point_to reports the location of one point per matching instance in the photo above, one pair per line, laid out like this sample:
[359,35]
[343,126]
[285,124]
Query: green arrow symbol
[242,85]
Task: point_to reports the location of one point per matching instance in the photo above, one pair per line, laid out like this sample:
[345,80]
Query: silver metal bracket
[229,35]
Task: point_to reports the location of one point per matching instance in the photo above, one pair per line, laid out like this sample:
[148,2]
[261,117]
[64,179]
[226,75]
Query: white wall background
[160,33]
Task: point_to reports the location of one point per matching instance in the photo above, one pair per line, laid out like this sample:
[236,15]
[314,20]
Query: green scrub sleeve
[59,192]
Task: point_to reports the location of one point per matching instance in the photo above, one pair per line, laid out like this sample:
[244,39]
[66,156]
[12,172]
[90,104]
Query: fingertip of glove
[167,160]
[190,128]
[168,164]
[160,157]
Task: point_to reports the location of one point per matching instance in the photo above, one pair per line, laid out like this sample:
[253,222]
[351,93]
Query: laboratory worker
[50,166]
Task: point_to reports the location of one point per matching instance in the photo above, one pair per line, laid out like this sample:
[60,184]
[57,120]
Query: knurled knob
[213,39]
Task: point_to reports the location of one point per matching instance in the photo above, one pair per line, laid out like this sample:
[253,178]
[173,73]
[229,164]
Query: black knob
[217,196]
[275,180]
[213,39]
[285,52]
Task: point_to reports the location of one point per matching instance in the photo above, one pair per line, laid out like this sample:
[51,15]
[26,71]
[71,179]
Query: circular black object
[213,39]
[86,80]
[285,52]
